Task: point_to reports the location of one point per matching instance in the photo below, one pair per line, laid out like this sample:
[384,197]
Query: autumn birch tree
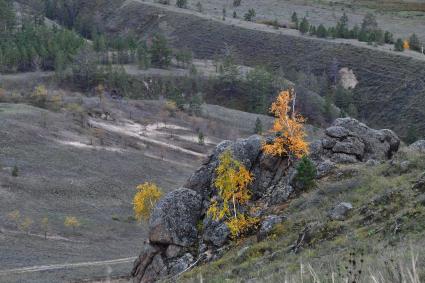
[232,183]
[288,128]
[145,199]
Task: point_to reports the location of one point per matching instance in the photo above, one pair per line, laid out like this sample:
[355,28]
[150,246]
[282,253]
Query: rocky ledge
[182,235]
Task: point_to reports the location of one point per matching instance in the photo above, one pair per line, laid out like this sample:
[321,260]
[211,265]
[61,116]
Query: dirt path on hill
[66,265]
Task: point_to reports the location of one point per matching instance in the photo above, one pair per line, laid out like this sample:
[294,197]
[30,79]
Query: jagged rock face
[349,141]
[181,232]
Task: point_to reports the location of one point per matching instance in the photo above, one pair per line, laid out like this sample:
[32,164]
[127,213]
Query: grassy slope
[390,93]
[95,184]
[385,227]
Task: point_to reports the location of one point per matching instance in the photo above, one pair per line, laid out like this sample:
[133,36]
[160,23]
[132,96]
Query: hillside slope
[90,172]
[390,90]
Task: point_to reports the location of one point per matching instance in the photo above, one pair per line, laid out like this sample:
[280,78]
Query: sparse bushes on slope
[39,96]
[369,32]
[250,15]
[304,26]
[181,4]
[72,222]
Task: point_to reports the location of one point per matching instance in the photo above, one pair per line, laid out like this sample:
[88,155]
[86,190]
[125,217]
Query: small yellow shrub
[72,222]
[145,199]
[241,224]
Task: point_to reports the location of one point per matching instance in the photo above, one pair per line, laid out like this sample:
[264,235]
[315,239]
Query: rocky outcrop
[349,141]
[182,234]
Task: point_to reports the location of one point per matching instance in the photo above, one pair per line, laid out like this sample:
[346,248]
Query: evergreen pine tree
[304,26]
[306,174]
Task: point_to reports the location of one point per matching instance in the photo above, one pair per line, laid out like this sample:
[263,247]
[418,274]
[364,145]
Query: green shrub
[304,26]
[250,15]
[236,3]
[414,42]
[322,31]
[201,138]
[15,171]
[181,4]
[398,45]
[306,174]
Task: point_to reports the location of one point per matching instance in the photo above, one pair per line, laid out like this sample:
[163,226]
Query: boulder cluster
[349,141]
[181,234]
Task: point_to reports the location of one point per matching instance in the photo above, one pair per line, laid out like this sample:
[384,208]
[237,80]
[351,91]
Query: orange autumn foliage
[406,44]
[288,127]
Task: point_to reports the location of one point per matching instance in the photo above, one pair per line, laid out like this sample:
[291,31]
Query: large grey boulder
[215,232]
[349,141]
[174,218]
[378,144]
[418,146]
[337,132]
[340,211]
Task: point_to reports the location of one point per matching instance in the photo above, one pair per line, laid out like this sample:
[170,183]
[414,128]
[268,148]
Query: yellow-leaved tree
[39,96]
[288,128]
[406,44]
[232,183]
[145,199]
